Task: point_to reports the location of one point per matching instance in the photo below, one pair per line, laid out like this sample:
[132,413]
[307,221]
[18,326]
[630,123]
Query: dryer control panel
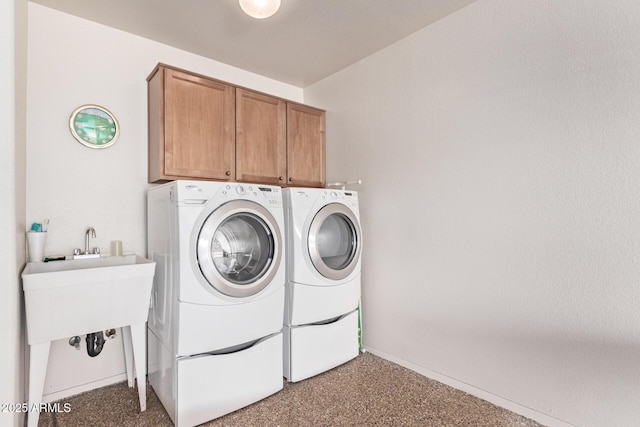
[349,198]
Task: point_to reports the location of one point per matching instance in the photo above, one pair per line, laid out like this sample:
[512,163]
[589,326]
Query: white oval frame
[82,140]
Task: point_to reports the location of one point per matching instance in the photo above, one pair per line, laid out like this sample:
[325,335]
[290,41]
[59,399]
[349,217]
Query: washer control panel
[273,195]
[200,193]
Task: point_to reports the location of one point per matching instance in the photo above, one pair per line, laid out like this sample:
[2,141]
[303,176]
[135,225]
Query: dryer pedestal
[312,349]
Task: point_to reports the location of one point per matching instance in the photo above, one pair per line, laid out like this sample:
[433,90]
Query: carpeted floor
[367,391]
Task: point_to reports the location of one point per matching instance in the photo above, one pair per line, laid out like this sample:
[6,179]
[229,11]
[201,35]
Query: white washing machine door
[335,241]
[239,248]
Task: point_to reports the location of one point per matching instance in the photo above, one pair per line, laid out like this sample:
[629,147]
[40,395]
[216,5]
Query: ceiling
[306,41]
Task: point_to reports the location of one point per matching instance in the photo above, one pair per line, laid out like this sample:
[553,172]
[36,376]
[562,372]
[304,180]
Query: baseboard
[540,417]
[58,395]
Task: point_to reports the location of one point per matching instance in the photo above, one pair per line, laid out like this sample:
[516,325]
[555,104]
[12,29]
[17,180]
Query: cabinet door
[305,146]
[199,127]
[261,146]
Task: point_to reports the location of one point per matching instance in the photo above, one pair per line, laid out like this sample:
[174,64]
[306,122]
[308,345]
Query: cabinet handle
[290,179]
[228,173]
[280,178]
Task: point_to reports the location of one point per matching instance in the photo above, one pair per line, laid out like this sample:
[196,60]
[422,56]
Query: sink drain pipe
[95,343]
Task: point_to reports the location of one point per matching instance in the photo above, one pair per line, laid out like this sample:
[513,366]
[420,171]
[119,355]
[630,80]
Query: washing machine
[216,316]
[324,244]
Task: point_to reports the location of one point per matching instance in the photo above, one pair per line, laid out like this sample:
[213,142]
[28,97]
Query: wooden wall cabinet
[305,146]
[278,142]
[191,127]
[201,128]
[261,138]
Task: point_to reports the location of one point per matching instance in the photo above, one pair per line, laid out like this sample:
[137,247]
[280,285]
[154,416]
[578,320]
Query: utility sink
[80,296]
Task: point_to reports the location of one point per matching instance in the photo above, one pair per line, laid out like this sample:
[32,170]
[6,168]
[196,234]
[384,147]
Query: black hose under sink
[95,343]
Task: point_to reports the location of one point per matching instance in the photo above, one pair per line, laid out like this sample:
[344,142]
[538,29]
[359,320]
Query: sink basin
[79,296]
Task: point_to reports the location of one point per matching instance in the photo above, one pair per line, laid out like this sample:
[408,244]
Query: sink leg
[128,354]
[138,339]
[39,356]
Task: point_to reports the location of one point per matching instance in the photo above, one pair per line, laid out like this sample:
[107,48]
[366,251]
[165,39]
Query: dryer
[324,244]
[215,322]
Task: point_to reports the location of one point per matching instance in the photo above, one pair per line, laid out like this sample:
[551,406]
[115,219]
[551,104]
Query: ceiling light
[260,9]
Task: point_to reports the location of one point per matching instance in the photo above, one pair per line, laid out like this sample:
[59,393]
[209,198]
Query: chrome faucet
[86,239]
[78,254]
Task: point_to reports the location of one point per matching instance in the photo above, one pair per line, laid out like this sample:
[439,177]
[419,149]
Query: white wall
[72,62]
[13,31]
[501,164]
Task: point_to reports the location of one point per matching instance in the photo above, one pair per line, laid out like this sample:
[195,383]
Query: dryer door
[334,241]
[239,248]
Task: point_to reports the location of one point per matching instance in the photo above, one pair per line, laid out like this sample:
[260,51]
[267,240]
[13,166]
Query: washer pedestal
[196,389]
